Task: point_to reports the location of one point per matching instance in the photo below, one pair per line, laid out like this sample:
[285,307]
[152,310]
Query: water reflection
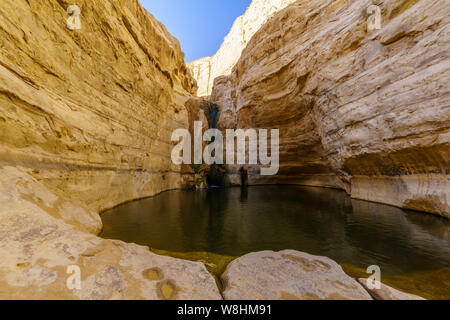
[326,222]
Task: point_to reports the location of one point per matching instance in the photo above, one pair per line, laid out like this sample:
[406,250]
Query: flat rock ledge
[289,275]
[388,293]
[40,254]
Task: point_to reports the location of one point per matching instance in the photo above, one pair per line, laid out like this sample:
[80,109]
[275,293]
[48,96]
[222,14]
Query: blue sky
[199,25]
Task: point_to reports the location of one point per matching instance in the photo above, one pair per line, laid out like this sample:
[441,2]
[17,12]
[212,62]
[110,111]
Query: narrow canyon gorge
[87,118]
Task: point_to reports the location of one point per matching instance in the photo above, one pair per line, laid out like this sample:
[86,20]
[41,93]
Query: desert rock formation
[367,112]
[87,115]
[385,292]
[206,69]
[86,119]
[90,112]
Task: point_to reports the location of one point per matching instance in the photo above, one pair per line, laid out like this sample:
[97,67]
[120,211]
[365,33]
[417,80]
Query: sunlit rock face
[364,111]
[86,119]
[90,112]
[385,292]
[205,70]
[201,70]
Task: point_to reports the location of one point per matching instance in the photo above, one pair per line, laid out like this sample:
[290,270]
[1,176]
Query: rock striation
[86,118]
[90,112]
[364,111]
[201,71]
[205,70]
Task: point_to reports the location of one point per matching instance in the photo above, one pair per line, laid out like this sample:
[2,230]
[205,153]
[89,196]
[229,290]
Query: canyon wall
[90,112]
[86,118]
[364,111]
[206,69]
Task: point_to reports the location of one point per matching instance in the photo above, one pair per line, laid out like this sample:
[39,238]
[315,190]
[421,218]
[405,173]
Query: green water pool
[217,225]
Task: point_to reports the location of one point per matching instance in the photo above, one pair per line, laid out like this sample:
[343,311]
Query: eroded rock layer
[90,112]
[86,118]
[43,256]
[206,69]
[384,292]
[364,111]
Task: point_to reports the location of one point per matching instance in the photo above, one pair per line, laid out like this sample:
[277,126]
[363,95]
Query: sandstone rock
[388,293]
[288,275]
[201,71]
[37,247]
[367,112]
[86,119]
[90,112]
[206,69]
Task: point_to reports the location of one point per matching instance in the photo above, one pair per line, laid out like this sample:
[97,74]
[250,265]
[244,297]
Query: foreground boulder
[289,275]
[388,293]
[40,254]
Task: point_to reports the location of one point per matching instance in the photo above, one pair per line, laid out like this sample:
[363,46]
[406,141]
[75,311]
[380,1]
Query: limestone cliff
[205,70]
[201,70]
[86,118]
[364,111]
[90,112]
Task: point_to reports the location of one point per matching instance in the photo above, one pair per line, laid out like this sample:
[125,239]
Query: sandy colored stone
[205,70]
[201,70]
[86,119]
[90,112]
[87,115]
[367,112]
[388,293]
[288,275]
[37,248]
